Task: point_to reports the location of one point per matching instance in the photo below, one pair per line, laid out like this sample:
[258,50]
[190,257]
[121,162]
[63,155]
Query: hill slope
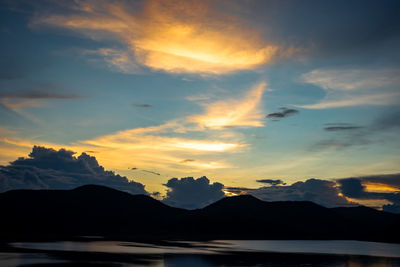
[98,210]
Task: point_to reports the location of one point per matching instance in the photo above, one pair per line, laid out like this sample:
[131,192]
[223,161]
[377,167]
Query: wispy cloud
[117,60]
[138,139]
[38,95]
[355,87]
[286,112]
[17,101]
[142,105]
[244,112]
[173,36]
[336,127]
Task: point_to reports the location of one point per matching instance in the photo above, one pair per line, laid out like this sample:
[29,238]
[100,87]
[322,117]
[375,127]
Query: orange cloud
[136,139]
[230,113]
[380,188]
[173,36]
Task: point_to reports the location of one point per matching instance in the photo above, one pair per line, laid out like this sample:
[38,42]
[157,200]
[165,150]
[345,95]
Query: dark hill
[102,211]
[86,210]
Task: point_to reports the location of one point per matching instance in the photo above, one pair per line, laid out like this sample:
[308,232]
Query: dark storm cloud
[354,187]
[46,168]
[283,114]
[190,193]
[322,192]
[271,182]
[142,105]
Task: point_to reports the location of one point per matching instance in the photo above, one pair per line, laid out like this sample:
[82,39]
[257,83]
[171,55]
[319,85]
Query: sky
[259,97]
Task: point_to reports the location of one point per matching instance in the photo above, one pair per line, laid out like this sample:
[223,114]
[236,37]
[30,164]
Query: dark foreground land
[100,211]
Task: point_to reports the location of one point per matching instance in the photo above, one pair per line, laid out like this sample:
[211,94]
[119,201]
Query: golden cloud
[380,187]
[172,35]
[144,147]
[234,112]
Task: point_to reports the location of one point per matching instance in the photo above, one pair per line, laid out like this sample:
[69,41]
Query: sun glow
[229,194]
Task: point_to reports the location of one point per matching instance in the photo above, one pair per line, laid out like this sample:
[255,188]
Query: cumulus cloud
[190,193]
[322,192]
[355,87]
[46,168]
[173,36]
[286,112]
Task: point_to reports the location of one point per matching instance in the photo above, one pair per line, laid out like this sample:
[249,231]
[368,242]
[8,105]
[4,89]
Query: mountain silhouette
[94,210]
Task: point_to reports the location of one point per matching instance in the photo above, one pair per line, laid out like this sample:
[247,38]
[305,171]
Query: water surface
[212,253]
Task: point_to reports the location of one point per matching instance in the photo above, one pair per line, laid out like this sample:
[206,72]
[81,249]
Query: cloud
[322,192]
[38,95]
[117,60]
[151,172]
[283,114]
[189,193]
[142,105]
[336,127]
[382,129]
[271,182]
[138,139]
[355,87]
[172,36]
[18,100]
[46,168]
[377,187]
[155,173]
[233,112]
[156,147]
[187,160]
[161,147]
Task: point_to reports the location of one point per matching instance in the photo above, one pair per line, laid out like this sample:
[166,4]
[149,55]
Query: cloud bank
[46,168]
[322,192]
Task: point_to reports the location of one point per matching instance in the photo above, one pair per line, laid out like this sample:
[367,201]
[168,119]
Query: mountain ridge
[93,210]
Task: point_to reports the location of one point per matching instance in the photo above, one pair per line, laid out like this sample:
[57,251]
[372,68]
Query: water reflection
[213,253]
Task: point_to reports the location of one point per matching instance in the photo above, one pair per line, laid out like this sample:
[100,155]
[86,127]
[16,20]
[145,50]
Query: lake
[211,253]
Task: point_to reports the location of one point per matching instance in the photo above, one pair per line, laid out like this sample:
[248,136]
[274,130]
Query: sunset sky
[237,91]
